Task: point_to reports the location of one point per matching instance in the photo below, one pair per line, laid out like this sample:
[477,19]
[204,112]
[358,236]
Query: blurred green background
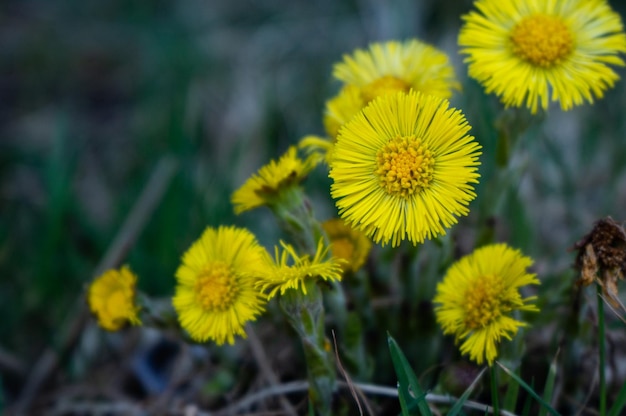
[94,94]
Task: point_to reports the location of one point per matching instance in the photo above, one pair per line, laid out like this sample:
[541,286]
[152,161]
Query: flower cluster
[404,168]
[383,69]
[226,278]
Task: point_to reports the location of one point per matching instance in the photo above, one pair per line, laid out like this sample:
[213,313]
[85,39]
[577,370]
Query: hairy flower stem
[305,313]
[295,218]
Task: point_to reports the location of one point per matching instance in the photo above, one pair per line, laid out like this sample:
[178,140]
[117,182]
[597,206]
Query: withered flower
[601,258]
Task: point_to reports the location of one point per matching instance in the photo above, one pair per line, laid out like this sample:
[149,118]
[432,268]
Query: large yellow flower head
[111,298]
[404,168]
[265,186]
[347,243]
[290,269]
[394,66]
[529,51]
[478,297]
[216,292]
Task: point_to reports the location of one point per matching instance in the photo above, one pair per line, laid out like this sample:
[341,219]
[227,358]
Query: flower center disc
[483,305]
[542,40]
[215,288]
[382,86]
[405,166]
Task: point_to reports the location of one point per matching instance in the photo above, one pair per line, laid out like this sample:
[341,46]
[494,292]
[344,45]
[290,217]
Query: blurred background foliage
[93,95]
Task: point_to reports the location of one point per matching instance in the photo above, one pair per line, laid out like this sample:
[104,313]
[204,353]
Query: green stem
[494,390]
[305,313]
[601,351]
[295,217]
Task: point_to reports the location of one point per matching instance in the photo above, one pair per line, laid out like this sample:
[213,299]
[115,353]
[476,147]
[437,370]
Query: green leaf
[527,404]
[410,393]
[510,399]
[529,390]
[458,406]
[549,388]
[620,401]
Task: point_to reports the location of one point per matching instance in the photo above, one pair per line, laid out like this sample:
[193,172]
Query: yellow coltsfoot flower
[347,243]
[390,67]
[383,68]
[478,297]
[216,294]
[292,270]
[403,168]
[265,186]
[111,298]
[528,52]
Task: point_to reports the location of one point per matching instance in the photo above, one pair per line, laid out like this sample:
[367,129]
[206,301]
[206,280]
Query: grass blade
[410,393]
[549,387]
[510,398]
[528,402]
[458,406]
[529,390]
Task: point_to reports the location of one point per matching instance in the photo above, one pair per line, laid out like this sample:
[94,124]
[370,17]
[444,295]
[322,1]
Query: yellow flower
[347,243]
[403,168]
[395,66]
[526,52]
[111,298]
[291,269]
[385,68]
[265,186]
[478,297]
[216,292]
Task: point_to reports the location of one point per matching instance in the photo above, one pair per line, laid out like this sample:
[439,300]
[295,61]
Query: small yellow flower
[403,168]
[348,244]
[478,297]
[216,292]
[526,52]
[111,298]
[393,66]
[291,269]
[265,187]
